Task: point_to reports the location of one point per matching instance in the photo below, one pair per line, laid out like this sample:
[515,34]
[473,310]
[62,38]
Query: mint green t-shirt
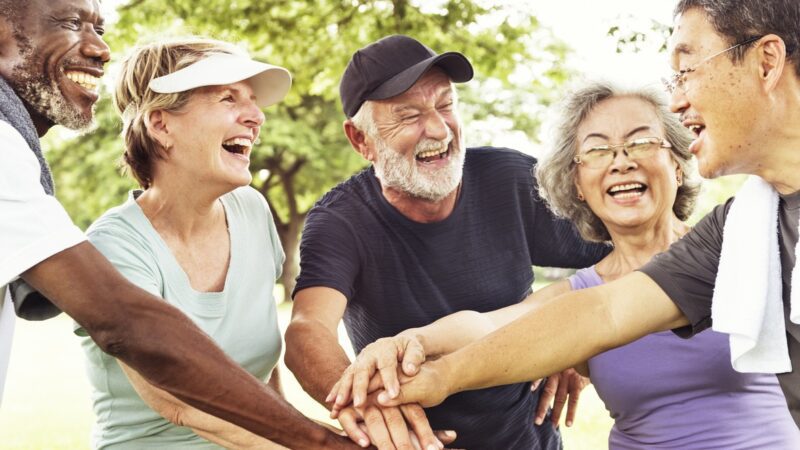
[241,319]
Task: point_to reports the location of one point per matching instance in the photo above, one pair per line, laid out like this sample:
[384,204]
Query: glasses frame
[678,79]
[615,148]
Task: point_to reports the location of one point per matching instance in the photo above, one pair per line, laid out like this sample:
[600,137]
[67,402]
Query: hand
[558,388]
[429,387]
[381,356]
[390,428]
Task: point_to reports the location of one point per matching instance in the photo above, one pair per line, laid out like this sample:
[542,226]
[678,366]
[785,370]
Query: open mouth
[628,190]
[83,79]
[238,146]
[433,155]
[696,129]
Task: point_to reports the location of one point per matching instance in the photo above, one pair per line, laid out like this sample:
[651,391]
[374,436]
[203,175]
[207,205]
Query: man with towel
[737,88]
[51,58]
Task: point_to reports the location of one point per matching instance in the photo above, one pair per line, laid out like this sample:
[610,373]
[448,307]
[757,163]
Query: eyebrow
[630,133]
[83,13]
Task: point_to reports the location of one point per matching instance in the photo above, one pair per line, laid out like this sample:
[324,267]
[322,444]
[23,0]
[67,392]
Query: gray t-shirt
[688,270]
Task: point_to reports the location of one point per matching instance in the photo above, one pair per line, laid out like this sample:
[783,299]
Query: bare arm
[411,347]
[167,349]
[218,431]
[554,335]
[315,357]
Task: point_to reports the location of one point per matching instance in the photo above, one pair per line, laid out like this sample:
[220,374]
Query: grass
[46,401]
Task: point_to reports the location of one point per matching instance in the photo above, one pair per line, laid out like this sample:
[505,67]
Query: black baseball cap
[390,66]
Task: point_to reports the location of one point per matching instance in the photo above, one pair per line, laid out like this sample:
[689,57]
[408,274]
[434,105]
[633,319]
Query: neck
[779,154]
[633,247]
[181,212]
[40,122]
[421,210]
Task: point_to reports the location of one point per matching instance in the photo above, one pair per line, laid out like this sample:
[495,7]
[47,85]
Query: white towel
[748,302]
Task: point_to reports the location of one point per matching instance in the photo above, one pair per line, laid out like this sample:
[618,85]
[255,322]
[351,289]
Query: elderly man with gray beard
[429,229]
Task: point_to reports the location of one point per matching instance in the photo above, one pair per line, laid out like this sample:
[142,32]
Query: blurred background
[524,53]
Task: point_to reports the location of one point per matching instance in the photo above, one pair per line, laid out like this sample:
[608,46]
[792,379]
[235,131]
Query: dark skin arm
[167,349]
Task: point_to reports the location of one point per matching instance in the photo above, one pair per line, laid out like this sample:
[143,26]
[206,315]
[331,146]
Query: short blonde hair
[135,101]
[556,171]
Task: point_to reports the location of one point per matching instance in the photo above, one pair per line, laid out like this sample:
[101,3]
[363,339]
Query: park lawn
[46,401]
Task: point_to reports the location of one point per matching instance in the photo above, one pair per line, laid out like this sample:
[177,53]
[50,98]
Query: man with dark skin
[51,57]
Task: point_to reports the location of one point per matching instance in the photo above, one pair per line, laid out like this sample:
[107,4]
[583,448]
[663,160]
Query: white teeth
[85,80]
[625,187]
[431,153]
[244,142]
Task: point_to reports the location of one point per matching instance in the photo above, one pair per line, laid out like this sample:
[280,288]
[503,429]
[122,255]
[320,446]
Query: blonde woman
[196,234]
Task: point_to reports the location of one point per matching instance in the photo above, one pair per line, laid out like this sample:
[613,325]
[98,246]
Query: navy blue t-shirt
[398,274]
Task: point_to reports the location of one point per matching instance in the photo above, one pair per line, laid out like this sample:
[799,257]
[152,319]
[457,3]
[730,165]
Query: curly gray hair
[559,191]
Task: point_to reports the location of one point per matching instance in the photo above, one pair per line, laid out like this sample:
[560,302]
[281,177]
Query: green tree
[302,151]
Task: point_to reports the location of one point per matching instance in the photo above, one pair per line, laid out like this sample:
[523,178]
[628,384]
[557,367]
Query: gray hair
[740,20]
[556,171]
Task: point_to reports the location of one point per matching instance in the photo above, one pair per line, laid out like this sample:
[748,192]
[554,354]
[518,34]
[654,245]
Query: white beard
[397,171]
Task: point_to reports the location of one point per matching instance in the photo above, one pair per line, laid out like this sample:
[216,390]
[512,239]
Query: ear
[158,129]
[359,140]
[581,197]
[771,61]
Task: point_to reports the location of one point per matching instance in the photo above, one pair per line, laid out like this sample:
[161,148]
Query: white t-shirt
[33,225]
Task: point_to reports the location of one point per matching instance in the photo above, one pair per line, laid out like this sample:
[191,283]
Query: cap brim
[454,64]
[270,83]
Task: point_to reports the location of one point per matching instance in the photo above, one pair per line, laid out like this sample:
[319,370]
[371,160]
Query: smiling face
[418,148]
[626,194]
[210,139]
[55,61]
[719,101]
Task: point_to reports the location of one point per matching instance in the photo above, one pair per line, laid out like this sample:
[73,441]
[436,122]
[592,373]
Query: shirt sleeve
[329,254]
[688,270]
[34,225]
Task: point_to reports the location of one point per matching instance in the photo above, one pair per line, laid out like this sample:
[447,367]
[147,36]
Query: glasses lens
[597,157]
[642,148]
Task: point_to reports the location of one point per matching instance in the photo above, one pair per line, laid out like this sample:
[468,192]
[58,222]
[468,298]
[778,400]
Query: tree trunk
[290,238]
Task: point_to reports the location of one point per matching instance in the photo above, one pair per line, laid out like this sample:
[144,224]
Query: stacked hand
[354,398]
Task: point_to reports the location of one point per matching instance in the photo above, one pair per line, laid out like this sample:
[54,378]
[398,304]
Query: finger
[350,425]
[334,391]
[375,383]
[559,401]
[545,398]
[445,436]
[377,429]
[345,385]
[535,384]
[413,357]
[572,406]
[398,429]
[387,367]
[361,377]
[416,418]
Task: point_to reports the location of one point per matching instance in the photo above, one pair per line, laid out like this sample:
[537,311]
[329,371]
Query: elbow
[293,337]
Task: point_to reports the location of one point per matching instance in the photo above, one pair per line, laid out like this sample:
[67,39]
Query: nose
[435,126]
[93,46]
[678,103]
[252,116]
[622,163]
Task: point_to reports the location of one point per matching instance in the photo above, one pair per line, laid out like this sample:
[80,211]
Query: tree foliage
[302,150]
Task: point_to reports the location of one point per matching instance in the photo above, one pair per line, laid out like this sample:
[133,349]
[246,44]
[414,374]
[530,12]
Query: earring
[581,197]
[679,178]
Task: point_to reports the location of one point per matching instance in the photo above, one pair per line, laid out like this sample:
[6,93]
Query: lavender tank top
[665,392]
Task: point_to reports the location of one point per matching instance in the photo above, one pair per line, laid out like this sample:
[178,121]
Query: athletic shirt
[688,270]
[665,392]
[241,319]
[397,274]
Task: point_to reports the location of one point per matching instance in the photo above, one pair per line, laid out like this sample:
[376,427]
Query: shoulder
[17,161]
[246,200]
[499,156]
[10,136]
[120,229]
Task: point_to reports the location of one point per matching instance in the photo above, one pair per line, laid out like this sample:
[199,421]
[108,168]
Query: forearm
[314,356]
[452,332]
[211,428]
[562,332]
[165,347]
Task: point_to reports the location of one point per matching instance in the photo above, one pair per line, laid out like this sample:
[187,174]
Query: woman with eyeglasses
[620,170]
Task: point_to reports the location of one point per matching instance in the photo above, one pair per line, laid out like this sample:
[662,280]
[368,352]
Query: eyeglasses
[679,78]
[601,156]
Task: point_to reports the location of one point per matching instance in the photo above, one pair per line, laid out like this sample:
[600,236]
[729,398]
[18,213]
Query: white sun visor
[270,83]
